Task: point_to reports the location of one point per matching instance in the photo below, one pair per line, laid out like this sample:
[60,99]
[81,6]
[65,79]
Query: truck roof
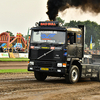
[54,26]
[58,28]
[73,29]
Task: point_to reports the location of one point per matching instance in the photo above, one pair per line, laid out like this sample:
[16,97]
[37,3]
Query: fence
[13,55]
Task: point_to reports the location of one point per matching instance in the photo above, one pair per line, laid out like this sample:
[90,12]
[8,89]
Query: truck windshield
[57,37]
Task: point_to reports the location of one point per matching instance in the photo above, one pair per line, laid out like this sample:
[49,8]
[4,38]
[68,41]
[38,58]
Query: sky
[19,15]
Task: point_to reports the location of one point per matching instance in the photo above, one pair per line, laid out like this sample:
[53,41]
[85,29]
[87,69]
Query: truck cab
[57,51]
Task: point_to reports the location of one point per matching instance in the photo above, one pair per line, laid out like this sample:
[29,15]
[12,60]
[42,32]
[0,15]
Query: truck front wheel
[40,76]
[73,75]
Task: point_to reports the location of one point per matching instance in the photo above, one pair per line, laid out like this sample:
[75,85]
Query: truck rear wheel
[40,76]
[73,75]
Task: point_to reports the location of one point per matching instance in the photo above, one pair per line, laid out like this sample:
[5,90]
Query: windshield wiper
[45,54]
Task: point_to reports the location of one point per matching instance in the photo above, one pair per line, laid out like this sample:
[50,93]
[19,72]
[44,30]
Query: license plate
[44,69]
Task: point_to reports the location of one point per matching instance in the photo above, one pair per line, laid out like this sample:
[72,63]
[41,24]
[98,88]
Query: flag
[91,42]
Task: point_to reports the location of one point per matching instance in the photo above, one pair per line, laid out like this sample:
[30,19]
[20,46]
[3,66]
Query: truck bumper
[59,70]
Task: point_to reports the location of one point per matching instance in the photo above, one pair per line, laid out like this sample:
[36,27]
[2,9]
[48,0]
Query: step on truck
[59,51]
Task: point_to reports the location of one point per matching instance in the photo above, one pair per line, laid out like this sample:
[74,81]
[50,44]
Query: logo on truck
[79,36]
[45,37]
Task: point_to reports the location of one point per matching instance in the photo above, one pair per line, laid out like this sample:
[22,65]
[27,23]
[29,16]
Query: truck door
[71,48]
[74,45]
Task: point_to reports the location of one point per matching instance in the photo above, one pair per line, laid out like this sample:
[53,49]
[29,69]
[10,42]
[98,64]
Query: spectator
[10,50]
[15,50]
[5,50]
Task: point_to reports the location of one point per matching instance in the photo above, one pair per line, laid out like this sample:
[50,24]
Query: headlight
[59,64]
[31,63]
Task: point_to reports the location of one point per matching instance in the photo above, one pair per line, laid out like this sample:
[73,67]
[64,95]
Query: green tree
[26,37]
[97,46]
[60,20]
[92,28]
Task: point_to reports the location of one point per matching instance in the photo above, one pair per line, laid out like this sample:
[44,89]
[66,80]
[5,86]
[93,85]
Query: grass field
[14,59]
[13,70]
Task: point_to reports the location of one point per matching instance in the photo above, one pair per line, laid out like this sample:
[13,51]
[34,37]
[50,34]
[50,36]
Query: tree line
[92,28]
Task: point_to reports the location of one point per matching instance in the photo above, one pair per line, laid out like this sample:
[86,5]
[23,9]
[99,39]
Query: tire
[40,76]
[73,75]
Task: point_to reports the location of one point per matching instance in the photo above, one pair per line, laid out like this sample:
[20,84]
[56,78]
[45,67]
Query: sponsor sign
[49,23]
[23,55]
[16,55]
[45,47]
[4,55]
[47,37]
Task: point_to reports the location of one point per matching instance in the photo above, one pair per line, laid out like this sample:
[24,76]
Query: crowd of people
[14,50]
[97,52]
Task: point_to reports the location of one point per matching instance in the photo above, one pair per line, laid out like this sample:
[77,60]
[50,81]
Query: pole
[27,39]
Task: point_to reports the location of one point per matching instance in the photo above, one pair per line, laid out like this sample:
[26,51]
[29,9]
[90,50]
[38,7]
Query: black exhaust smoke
[54,6]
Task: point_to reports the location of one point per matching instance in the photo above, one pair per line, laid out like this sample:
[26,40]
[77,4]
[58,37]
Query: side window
[71,38]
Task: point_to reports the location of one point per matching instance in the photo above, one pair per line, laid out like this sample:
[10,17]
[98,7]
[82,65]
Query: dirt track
[26,87]
[13,65]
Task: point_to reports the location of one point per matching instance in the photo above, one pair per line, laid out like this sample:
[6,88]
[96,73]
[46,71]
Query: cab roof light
[60,24]
[36,24]
[49,23]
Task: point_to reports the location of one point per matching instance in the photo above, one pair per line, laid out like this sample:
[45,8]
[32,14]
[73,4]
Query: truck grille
[44,64]
[47,56]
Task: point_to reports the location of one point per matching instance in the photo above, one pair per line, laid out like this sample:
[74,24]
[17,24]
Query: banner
[23,55]
[14,55]
[4,55]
